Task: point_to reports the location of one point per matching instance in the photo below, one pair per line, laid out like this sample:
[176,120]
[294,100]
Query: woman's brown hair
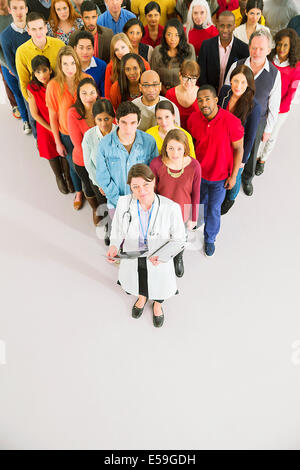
[60,76]
[190,67]
[53,18]
[244,104]
[179,136]
[140,170]
[115,61]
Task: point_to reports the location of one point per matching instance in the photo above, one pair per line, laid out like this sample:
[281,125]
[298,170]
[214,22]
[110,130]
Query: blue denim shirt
[117,26]
[114,162]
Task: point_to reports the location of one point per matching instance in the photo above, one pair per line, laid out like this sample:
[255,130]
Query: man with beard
[102,35]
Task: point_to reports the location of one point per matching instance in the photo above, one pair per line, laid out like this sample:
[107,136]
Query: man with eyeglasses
[150,87]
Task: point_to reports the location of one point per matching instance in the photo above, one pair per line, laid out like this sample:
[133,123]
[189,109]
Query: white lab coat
[166,223]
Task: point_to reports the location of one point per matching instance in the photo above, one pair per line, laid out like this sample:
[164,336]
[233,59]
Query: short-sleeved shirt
[167,7]
[213,142]
[159,140]
[117,26]
[61,102]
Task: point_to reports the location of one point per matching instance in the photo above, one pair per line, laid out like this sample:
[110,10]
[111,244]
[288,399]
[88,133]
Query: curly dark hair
[123,80]
[294,53]
[183,48]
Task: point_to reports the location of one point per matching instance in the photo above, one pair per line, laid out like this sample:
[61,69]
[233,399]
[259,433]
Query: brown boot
[66,171]
[56,168]
[94,205]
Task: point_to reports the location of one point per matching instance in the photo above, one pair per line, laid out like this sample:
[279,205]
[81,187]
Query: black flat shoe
[260,166]
[226,206]
[158,321]
[178,264]
[248,188]
[136,312]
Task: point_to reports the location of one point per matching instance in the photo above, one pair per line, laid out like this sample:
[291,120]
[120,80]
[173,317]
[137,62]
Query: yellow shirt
[159,141]
[238,18]
[27,51]
[167,8]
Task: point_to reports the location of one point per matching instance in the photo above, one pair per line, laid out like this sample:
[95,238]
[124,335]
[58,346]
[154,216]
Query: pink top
[224,56]
[289,81]
[184,190]
[77,129]
[184,112]
[197,36]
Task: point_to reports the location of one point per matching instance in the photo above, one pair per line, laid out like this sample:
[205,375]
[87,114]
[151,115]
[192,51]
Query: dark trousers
[13,84]
[31,120]
[143,278]
[212,194]
[249,168]
[9,93]
[102,209]
[69,148]
[85,180]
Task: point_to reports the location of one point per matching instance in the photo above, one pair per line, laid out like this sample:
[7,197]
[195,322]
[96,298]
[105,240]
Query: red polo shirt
[213,142]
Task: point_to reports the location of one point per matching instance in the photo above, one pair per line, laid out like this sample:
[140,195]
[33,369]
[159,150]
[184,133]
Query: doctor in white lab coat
[144,221]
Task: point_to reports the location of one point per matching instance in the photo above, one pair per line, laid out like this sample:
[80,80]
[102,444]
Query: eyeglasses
[149,85]
[185,78]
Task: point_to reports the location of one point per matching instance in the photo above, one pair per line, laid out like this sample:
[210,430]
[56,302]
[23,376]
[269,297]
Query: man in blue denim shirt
[120,150]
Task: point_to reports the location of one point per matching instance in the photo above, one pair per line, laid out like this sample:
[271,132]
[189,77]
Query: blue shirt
[117,26]
[114,162]
[97,71]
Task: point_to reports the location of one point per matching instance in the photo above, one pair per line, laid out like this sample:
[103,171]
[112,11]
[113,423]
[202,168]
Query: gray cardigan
[169,74]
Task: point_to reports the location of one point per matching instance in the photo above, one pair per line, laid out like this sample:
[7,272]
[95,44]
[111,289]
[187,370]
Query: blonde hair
[60,77]
[115,61]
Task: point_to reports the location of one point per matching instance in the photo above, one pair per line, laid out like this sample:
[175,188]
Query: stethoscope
[129,216]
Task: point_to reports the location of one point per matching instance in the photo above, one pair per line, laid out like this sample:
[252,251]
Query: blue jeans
[233,192]
[212,194]
[69,148]
[13,84]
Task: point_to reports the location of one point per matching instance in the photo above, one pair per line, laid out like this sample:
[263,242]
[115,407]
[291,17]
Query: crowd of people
[148,110]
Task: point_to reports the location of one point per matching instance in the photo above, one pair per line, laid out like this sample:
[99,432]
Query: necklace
[175,175]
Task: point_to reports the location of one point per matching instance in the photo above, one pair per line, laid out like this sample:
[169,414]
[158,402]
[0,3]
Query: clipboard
[168,250]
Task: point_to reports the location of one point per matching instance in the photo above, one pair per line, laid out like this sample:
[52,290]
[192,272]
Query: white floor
[77,372]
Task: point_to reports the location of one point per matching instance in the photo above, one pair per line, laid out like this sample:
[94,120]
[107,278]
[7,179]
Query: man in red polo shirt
[219,137]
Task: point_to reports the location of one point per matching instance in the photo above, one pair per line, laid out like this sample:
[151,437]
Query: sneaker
[16,112]
[26,127]
[209,248]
